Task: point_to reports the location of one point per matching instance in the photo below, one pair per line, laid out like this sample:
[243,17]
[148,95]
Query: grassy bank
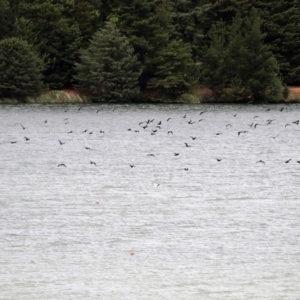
[200,95]
[50,97]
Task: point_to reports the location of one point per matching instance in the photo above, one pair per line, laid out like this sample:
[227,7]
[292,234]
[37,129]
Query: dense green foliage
[171,39]
[20,69]
[108,70]
[239,61]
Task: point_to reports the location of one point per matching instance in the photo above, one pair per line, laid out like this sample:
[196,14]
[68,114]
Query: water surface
[210,223]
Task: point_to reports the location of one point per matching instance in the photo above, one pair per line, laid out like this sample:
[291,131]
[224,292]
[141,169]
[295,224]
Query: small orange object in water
[97,202]
[131,253]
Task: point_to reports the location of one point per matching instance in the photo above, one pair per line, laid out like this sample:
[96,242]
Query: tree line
[113,49]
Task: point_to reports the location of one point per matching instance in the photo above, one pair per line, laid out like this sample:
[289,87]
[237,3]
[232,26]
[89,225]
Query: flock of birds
[154,127]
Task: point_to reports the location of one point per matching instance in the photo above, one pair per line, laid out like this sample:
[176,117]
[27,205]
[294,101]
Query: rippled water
[171,227]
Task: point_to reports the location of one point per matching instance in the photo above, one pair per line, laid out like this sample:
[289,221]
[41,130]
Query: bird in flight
[62,165]
[22,126]
[61,142]
[93,163]
[260,161]
[187,145]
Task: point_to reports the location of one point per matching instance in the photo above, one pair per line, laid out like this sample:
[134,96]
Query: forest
[113,50]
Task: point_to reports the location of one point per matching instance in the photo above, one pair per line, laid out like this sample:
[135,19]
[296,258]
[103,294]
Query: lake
[150,202]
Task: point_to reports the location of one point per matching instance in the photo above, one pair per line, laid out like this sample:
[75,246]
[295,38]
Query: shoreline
[200,95]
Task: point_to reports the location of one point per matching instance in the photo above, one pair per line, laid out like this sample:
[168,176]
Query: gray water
[171,227]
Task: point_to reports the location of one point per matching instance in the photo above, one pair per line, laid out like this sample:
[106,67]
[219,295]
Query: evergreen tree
[6,19]
[108,70]
[87,15]
[190,19]
[243,64]
[176,72]
[253,67]
[146,24]
[214,68]
[20,69]
[281,23]
[59,36]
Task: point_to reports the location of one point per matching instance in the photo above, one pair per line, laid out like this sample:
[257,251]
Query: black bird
[170,132]
[256,125]
[176,154]
[187,145]
[200,120]
[202,112]
[218,133]
[228,125]
[132,166]
[296,122]
[144,126]
[80,108]
[22,126]
[287,125]
[87,148]
[14,142]
[298,161]
[129,129]
[61,142]
[190,122]
[70,132]
[93,163]
[151,155]
[218,159]
[91,132]
[242,132]
[98,110]
[287,161]
[193,137]
[159,123]
[26,138]
[235,115]
[184,116]
[282,109]
[101,131]
[45,121]
[260,161]
[62,165]
[84,131]
[136,131]
[169,119]
[256,117]
[186,169]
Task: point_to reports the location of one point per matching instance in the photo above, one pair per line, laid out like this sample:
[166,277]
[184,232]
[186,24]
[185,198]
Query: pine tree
[146,24]
[5,19]
[20,69]
[253,66]
[176,72]
[189,18]
[108,70]
[280,22]
[214,68]
[59,35]
[239,64]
